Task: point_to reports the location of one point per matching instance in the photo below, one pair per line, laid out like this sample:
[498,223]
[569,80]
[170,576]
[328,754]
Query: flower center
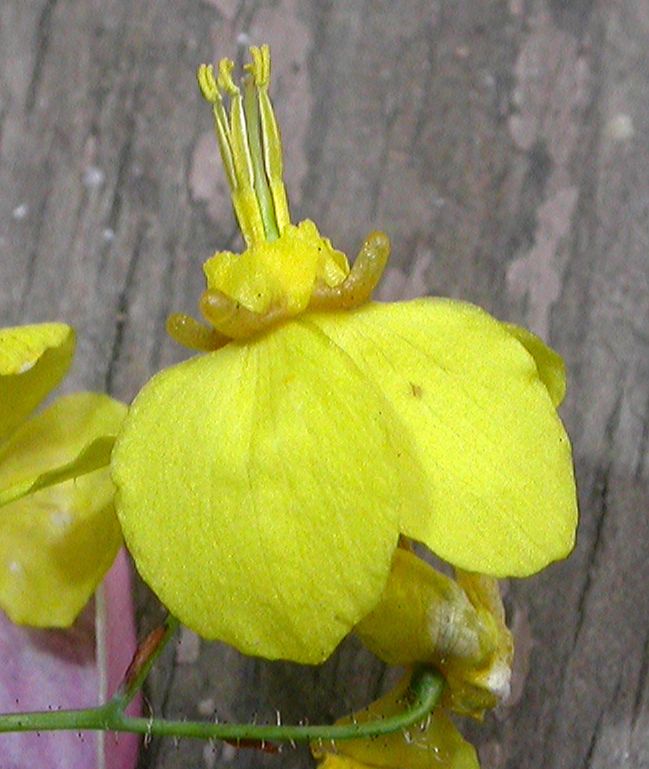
[286,268]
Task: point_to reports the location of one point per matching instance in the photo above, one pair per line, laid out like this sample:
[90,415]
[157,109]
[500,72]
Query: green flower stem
[425,690]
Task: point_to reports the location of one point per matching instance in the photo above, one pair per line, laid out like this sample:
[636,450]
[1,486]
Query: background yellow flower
[58,530]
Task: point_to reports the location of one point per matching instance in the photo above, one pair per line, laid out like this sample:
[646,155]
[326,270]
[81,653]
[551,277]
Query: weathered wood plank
[503,147]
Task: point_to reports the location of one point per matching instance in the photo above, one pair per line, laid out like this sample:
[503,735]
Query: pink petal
[54,669]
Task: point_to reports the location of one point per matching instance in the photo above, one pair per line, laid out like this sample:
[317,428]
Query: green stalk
[425,690]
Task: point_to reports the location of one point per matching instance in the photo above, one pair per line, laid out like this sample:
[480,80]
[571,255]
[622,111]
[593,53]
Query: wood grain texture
[503,146]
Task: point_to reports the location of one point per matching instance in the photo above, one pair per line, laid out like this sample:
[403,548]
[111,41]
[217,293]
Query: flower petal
[57,543]
[433,744]
[33,360]
[484,436]
[93,457]
[55,547]
[550,365]
[72,437]
[240,504]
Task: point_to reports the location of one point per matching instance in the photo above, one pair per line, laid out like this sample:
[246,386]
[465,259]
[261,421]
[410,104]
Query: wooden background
[503,144]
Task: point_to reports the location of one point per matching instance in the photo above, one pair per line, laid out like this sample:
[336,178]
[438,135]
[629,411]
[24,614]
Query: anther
[207,83]
[259,67]
[224,80]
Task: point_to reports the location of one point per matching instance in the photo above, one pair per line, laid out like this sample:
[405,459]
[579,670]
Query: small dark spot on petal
[416,390]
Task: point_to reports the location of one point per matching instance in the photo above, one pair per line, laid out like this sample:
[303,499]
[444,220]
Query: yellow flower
[58,530]
[263,486]
[433,744]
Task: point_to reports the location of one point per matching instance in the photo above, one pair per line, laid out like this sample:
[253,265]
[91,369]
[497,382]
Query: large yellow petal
[493,455]
[259,492]
[33,360]
[55,547]
[433,744]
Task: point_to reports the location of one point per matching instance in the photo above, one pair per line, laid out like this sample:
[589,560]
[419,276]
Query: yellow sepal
[339,761]
[425,617]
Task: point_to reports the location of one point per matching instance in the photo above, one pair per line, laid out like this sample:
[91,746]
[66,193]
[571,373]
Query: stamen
[231,136]
[211,94]
[243,195]
[250,145]
[264,196]
[260,70]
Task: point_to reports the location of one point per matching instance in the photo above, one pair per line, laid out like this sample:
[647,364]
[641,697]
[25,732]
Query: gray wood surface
[505,148]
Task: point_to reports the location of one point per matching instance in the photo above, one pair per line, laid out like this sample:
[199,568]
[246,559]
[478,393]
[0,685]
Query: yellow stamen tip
[259,67]
[207,83]
[225,80]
